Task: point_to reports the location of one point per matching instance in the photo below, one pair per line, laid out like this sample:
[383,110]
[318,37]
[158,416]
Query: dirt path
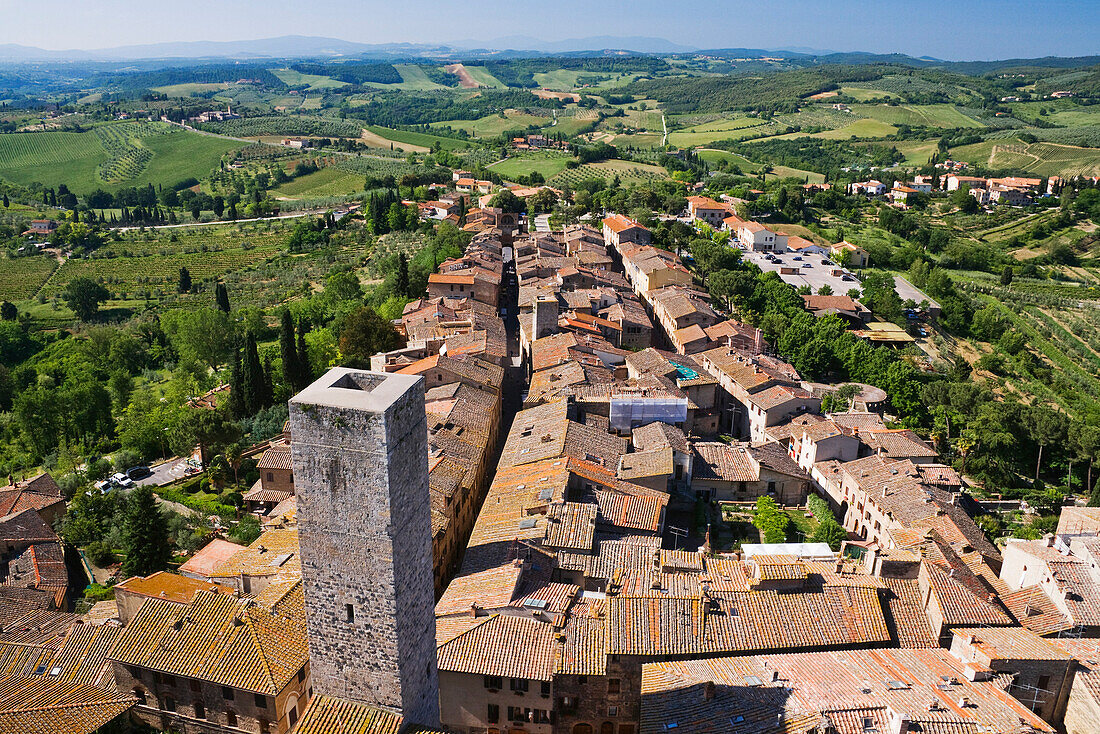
[464,79]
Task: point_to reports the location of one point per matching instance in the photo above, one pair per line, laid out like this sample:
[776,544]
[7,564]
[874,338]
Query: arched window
[582,729]
[607,728]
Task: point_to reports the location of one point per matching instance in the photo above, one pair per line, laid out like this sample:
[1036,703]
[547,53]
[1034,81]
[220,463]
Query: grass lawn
[493,125]
[787,172]
[547,164]
[323,183]
[315,81]
[801,527]
[862,94]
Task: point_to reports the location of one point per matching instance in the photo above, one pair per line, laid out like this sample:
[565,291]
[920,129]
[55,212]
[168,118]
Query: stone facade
[591,704]
[360,465]
[193,706]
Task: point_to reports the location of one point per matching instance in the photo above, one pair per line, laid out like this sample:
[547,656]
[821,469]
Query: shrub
[770,520]
[100,554]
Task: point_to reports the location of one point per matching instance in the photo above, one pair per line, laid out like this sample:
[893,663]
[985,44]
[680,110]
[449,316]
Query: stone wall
[360,467]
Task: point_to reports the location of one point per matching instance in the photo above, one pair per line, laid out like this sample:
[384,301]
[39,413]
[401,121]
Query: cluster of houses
[1010,191]
[572,593]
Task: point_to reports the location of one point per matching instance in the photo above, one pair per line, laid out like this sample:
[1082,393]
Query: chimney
[899,723]
[708,690]
[758,342]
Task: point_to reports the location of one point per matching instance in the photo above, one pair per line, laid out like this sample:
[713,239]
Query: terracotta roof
[34,494]
[835,690]
[276,457]
[273,553]
[905,614]
[43,705]
[209,557]
[720,461]
[504,645]
[649,463]
[619,223]
[216,638]
[1035,611]
[172,587]
[329,715]
[1010,643]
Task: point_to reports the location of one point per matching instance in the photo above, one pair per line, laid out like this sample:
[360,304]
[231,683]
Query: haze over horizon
[938,28]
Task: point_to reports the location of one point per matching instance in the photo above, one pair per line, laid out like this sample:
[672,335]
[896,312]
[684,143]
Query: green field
[482,76]
[413,78]
[735,129]
[110,156]
[863,94]
[296,79]
[186,90]
[493,125]
[425,140]
[932,115]
[324,183]
[20,278]
[547,164]
[787,172]
[858,129]
[711,155]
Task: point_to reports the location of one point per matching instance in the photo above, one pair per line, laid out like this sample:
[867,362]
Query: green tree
[292,369]
[1006,275]
[8,311]
[402,285]
[365,333]
[829,532]
[145,534]
[204,335]
[252,377]
[83,296]
[184,284]
[1046,426]
[221,298]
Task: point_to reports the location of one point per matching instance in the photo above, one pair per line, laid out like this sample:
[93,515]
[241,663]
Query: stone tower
[545,317]
[361,475]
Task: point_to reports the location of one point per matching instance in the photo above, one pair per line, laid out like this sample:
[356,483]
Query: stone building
[360,464]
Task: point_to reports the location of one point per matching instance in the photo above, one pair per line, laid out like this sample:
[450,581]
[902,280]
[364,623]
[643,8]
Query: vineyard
[20,278]
[628,173]
[128,155]
[109,156]
[206,253]
[254,127]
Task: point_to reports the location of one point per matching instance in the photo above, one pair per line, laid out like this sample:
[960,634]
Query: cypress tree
[267,388]
[292,371]
[221,298]
[6,202]
[236,388]
[402,275]
[252,377]
[306,375]
[185,281]
[145,534]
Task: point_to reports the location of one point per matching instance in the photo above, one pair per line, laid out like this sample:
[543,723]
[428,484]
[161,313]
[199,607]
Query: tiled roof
[585,648]
[631,512]
[722,462]
[658,434]
[649,463]
[273,553]
[1087,653]
[619,223]
[276,457]
[43,705]
[571,526]
[834,690]
[899,444]
[1010,643]
[504,645]
[172,587]
[209,557]
[216,638]
[959,604]
[25,528]
[328,715]
[905,614]
[1035,611]
[34,494]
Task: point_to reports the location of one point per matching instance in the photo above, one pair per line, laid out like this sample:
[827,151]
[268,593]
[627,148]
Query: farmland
[546,164]
[934,115]
[20,278]
[627,171]
[482,76]
[110,156]
[207,252]
[327,182]
[316,82]
[493,125]
[1042,159]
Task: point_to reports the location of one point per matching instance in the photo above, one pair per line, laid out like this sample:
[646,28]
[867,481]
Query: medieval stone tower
[361,475]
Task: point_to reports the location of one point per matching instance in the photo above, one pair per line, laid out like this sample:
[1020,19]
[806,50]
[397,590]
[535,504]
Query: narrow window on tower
[350,612]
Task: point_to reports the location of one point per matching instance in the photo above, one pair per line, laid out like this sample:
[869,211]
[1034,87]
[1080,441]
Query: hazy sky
[950,29]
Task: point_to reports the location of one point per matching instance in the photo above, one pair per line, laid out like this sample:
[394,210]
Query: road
[166,472]
[664,125]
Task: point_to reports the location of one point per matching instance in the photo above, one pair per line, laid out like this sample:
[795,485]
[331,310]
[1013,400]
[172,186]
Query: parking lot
[805,270]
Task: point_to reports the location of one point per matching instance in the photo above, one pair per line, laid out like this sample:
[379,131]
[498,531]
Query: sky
[947,29]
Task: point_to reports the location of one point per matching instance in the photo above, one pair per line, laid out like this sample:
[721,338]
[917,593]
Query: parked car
[122,481]
[104,487]
[139,472]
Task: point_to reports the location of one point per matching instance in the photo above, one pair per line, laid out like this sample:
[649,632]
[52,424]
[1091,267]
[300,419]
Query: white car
[122,481]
